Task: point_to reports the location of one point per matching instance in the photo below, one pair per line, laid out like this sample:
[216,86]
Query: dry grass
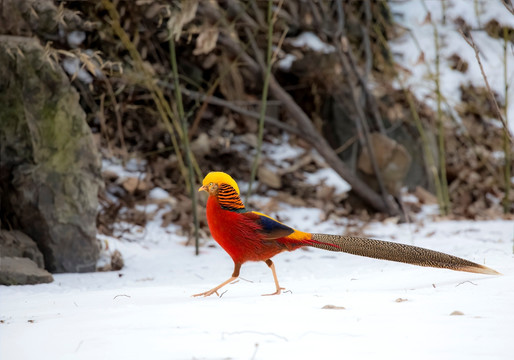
[140,106]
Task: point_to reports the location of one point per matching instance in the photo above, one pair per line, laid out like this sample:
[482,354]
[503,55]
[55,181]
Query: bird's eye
[210,184]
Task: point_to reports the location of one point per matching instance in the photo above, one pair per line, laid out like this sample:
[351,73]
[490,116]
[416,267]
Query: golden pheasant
[252,236]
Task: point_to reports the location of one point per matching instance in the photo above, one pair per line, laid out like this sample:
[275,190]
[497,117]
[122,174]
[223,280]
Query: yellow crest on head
[218,177]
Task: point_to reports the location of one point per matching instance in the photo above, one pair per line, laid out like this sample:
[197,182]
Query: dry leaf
[427,19]
[333,307]
[132,184]
[206,41]
[421,58]
[180,18]
[456,312]
[424,196]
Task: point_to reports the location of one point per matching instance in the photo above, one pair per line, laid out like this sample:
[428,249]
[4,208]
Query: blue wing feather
[271,228]
[270,225]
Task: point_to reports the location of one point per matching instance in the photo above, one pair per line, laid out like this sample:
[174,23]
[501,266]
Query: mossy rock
[49,165]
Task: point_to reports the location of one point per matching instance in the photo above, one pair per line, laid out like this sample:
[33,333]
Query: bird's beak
[203,188]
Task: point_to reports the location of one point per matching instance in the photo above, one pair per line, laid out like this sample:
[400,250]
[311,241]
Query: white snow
[311,41]
[158,194]
[132,168]
[282,153]
[307,40]
[412,15]
[73,67]
[75,38]
[329,177]
[390,310]
[286,62]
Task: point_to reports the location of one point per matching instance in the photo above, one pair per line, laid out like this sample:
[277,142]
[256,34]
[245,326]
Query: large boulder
[49,166]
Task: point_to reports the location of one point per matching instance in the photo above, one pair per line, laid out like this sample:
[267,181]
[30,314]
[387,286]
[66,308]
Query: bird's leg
[272,267]
[234,276]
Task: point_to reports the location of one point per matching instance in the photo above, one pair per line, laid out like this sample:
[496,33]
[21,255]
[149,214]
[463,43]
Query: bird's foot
[215,290]
[207,293]
[278,292]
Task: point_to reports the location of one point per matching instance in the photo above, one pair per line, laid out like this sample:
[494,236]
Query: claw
[215,290]
[278,292]
[206,293]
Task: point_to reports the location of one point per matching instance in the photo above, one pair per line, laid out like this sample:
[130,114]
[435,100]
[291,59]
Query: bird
[253,236]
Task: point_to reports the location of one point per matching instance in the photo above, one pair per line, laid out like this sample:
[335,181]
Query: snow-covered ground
[335,306]
[383,310]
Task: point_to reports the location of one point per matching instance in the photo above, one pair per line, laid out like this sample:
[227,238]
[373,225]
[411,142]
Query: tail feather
[391,251]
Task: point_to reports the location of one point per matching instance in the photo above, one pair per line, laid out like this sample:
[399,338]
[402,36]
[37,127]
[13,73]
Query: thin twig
[469,39]
[103,127]
[185,142]
[506,144]
[201,110]
[429,157]
[232,106]
[509,6]
[369,98]
[119,123]
[265,88]
[449,109]
[120,295]
[367,46]
[173,126]
[444,205]
[477,12]
[349,62]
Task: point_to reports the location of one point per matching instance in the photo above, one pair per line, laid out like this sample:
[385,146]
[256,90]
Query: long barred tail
[387,250]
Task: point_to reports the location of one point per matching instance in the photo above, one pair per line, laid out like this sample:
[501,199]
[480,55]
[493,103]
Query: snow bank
[390,310]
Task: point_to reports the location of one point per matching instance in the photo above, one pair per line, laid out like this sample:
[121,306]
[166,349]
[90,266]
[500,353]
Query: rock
[22,271]
[392,159]
[111,261]
[17,244]
[49,165]
[201,146]
[424,196]
[339,129]
[117,262]
[269,178]
[134,184]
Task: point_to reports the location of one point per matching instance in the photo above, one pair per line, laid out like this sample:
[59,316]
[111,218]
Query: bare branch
[349,65]
[509,6]
[207,98]
[469,39]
